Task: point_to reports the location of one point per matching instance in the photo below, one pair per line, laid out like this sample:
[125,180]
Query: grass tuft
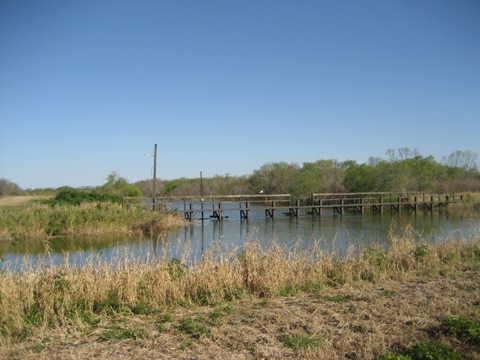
[301,342]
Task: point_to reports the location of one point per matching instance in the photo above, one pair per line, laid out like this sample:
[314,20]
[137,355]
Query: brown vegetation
[7,201]
[250,304]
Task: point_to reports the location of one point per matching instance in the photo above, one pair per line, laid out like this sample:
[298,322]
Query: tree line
[402,170]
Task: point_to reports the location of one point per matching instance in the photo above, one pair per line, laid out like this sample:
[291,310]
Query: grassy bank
[40,221]
[251,303]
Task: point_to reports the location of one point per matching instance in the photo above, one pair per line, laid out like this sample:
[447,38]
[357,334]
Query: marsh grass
[45,297]
[41,221]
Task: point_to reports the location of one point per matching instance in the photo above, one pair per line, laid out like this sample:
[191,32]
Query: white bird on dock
[261,192]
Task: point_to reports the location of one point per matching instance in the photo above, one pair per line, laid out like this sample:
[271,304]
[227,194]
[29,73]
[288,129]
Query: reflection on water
[335,232]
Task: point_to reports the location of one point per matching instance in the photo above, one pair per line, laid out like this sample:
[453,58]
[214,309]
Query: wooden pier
[219,207]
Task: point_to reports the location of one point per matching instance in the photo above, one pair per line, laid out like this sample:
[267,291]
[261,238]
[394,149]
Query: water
[335,232]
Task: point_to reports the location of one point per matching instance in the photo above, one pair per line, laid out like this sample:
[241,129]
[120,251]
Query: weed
[194,327]
[391,356]
[185,345]
[424,351]
[341,298]
[237,293]
[111,304]
[167,318]
[464,328]
[311,286]
[221,312]
[202,296]
[38,348]
[428,350]
[143,308]
[34,315]
[119,333]
[228,309]
[175,268]
[287,290]
[60,282]
[387,293]
[299,342]
[216,314]
[421,251]
[377,257]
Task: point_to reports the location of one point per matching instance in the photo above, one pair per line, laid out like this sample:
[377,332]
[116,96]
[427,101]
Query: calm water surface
[335,232]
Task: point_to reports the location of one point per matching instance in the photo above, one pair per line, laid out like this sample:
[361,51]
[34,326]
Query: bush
[70,196]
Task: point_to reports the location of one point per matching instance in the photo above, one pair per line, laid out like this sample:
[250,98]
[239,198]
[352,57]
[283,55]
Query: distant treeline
[402,170]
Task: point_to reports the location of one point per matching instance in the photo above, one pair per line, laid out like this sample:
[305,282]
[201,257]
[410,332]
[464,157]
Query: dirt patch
[348,322]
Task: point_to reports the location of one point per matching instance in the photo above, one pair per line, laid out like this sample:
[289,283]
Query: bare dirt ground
[345,322]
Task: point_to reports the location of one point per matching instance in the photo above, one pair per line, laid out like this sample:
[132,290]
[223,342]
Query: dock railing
[196,207]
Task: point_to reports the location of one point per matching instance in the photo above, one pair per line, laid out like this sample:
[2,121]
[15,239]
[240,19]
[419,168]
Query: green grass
[195,327]
[120,333]
[457,329]
[302,342]
[463,328]
[41,221]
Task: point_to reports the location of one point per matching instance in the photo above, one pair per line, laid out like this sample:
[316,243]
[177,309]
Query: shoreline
[248,305]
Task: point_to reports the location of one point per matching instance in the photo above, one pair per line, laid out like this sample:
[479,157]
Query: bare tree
[466,160]
[8,188]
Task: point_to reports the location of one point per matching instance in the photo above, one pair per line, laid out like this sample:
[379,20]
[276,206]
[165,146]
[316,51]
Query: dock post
[244,213]
[185,212]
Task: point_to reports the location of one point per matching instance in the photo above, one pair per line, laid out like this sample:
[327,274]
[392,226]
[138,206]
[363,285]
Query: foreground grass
[251,303]
[37,221]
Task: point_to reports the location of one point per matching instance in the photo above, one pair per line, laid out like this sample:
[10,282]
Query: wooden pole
[154,174]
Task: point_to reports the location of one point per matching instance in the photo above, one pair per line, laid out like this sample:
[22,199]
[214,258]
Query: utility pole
[154,174]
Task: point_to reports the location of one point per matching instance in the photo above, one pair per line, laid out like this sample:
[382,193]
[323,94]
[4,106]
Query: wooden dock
[219,207]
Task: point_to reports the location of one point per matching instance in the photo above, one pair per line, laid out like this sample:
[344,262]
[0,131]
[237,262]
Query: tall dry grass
[51,296]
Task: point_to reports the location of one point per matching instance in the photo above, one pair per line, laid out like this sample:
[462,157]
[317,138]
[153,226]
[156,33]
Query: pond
[333,231]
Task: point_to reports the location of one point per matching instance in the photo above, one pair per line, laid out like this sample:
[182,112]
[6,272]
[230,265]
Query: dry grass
[9,201]
[248,304]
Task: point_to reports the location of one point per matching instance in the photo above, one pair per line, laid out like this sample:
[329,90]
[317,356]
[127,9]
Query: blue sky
[88,87]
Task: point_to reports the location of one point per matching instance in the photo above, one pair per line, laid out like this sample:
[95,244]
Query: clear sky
[88,87]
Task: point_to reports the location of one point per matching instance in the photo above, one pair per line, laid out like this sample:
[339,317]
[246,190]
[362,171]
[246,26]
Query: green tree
[275,178]
[361,178]
[425,173]
[117,185]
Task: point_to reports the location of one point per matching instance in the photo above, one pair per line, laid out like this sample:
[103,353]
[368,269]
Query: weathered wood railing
[195,207]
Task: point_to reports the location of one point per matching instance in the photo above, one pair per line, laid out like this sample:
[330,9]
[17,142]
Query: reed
[37,299]
[41,221]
